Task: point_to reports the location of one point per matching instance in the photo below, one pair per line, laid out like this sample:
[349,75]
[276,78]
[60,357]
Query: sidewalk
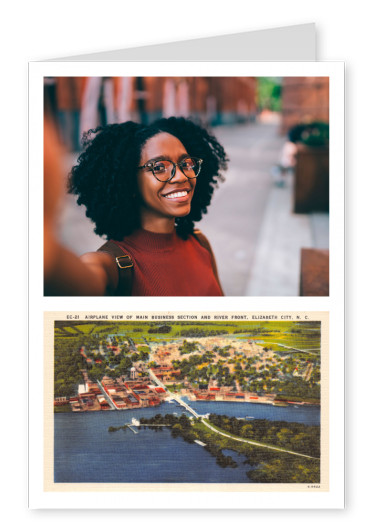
[276,267]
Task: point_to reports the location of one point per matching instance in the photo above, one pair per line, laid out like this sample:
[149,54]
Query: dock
[136,423]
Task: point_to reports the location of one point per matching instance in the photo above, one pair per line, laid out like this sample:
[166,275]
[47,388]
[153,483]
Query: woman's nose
[178,175]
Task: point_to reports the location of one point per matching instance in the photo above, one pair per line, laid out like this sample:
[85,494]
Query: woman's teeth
[176,194]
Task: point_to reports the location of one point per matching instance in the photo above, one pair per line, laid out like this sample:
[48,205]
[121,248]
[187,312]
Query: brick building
[304,100]
[215,100]
[90,102]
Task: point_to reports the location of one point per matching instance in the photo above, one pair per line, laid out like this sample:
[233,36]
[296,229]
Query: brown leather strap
[124,266]
[206,245]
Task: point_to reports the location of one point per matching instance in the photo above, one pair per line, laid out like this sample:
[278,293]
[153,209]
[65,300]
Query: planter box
[314,273]
[311,185]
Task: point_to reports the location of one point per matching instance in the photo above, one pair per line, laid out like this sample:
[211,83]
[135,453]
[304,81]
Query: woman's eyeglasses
[165,170]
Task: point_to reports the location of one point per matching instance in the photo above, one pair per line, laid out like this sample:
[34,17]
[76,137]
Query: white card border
[334,303]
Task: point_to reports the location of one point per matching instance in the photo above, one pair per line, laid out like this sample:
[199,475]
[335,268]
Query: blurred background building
[269,221]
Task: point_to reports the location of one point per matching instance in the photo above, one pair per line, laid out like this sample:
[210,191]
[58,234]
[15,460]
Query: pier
[136,423]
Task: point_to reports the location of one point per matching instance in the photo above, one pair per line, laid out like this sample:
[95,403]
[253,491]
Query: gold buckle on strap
[125,266]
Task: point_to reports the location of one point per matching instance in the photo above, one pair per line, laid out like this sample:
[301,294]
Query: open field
[279,335]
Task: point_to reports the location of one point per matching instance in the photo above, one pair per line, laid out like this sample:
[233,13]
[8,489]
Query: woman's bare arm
[67,274]
[64,272]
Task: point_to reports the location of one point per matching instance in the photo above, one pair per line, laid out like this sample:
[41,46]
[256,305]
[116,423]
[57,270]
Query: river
[86,452]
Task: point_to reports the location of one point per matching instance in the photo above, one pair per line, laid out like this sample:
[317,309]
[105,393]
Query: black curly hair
[105,177]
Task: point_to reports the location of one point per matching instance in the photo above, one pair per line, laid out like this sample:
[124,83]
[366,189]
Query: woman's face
[164,201]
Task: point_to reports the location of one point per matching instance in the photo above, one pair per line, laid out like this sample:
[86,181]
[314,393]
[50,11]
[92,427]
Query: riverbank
[275,403]
[261,443]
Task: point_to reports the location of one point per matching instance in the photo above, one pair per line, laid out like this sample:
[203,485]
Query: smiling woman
[144,187]
[169,194]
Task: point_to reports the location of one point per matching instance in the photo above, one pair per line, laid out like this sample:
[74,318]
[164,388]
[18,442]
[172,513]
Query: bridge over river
[178,399]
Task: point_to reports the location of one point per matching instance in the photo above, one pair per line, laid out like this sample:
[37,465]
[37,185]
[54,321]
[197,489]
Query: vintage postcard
[169,402]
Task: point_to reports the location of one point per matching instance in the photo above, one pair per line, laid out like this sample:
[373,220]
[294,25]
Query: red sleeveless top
[166,265]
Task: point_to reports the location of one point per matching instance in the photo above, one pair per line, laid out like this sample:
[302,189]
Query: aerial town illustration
[104,366]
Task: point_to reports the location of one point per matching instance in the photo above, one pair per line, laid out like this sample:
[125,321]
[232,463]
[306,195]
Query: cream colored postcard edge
[142,488]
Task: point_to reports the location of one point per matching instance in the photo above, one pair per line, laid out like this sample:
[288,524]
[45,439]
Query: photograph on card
[196,399]
[186,186]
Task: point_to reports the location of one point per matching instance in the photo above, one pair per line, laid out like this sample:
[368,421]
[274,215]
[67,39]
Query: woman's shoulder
[202,239]
[204,242]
